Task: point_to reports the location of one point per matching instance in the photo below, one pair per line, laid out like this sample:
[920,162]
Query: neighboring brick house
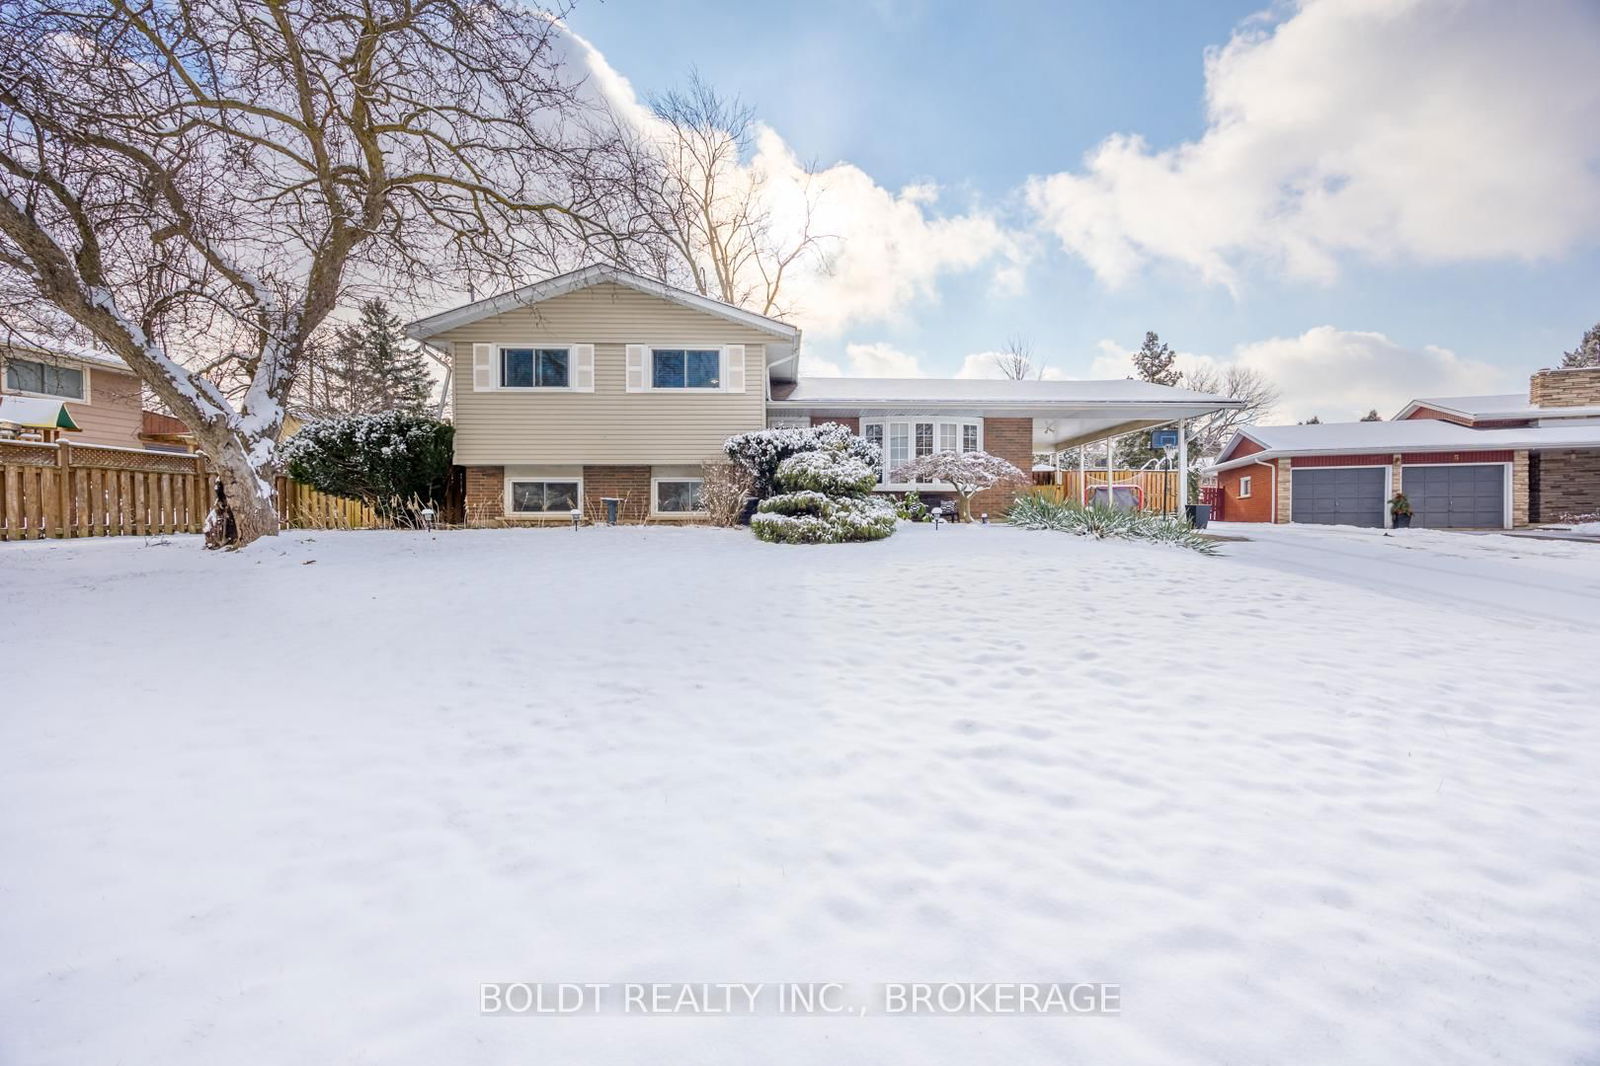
[1463,461]
[602,383]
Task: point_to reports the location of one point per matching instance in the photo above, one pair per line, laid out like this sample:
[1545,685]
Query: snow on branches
[966,473]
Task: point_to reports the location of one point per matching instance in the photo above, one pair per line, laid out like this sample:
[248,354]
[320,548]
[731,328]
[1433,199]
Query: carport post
[1183,467]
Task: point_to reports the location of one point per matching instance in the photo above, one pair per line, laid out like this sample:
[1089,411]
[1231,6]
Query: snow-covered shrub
[812,518]
[911,508]
[828,472]
[826,499]
[965,472]
[396,462]
[761,451]
[1035,511]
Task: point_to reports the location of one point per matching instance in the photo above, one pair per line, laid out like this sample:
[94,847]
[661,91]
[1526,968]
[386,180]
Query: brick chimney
[1577,386]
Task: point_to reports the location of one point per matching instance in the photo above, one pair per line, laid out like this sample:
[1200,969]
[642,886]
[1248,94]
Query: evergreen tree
[1587,353]
[367,367]
[1372,416]
[1154,362]
[1312,421]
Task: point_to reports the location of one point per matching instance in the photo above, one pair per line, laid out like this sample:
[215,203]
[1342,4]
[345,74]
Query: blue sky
[1448,237]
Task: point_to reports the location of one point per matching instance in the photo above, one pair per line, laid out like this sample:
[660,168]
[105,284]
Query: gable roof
[587,277]
[1419,434]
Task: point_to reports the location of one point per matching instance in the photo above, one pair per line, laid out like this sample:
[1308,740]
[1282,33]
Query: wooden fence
[1159,488]
[77,490]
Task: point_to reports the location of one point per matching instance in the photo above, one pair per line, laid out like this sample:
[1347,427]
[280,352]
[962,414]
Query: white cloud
[884,250]
[1338,374]
[1436,130]
[985,365]
[877,360]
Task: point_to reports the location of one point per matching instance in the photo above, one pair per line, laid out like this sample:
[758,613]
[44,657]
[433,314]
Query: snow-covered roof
[1417,434]
[32,342]
[1503,405]
[596,274]
[889,391]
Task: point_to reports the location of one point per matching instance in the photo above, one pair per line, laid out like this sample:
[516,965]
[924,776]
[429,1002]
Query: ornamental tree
[966,473]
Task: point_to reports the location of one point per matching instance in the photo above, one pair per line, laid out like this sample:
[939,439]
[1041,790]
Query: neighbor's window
[45,378]
[685,368]
[1244,488]
[679,495]
[533,368]
[543,497]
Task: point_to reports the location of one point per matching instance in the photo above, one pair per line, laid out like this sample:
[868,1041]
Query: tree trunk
[963,507]
[245,508]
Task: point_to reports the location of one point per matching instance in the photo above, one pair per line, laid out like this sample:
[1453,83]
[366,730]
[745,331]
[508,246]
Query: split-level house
[1486,462]
[602,383]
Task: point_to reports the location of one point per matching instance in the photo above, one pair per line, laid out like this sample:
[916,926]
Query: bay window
[902,440]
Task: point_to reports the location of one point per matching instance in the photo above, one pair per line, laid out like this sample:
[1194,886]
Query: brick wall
[1012,440]
[1520,491]
[486,495]
[1564,482]
[1571,387]
[630,484]
[1257,507]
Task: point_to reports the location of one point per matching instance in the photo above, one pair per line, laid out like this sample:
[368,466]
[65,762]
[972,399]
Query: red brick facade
[1012,440]
[630,484]
[486,495]
[1237,507]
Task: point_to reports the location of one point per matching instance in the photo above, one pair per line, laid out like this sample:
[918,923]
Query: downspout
[1273,467]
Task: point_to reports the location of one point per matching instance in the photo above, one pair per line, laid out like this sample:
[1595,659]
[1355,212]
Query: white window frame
[655,499]
[910,422]
[60,365]
[535,346]
[650,351]
[1246,482]
[549,479]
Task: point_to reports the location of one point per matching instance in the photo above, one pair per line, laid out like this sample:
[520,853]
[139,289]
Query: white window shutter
[733,368]
[635,368]
[482,367]
[583,368]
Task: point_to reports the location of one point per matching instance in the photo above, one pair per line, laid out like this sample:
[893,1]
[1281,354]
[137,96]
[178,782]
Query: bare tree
[709,205]
[1015,359]
[197,183]
[1236,383]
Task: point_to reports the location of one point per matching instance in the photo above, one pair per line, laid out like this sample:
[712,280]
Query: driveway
[1541,580]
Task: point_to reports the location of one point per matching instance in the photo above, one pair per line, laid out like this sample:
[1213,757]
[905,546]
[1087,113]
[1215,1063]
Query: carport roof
[1376,438]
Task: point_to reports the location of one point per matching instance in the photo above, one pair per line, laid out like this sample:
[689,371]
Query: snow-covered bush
[826,499]
[396,462]
[724,488]
[967,473]
[911,508]
[1035,511]
[761,451]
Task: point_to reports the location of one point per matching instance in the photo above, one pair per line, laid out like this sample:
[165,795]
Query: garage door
[1344,497]
[1463,494]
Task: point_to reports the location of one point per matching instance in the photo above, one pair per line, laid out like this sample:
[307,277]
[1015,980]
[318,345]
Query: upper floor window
[685,368]
[46,379]
[534,368]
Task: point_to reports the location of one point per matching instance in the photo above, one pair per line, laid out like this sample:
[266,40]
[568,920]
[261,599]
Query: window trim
[61,364]
[1246,486]
[655,499]
[511,512]
[650,351]
[911,422]
[500,367]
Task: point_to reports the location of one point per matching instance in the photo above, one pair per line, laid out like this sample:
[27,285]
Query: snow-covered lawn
[294,806]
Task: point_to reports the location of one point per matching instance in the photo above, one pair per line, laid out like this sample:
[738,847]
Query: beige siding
[609,425]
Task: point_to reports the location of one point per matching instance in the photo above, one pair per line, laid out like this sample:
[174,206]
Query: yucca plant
[1036,511]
